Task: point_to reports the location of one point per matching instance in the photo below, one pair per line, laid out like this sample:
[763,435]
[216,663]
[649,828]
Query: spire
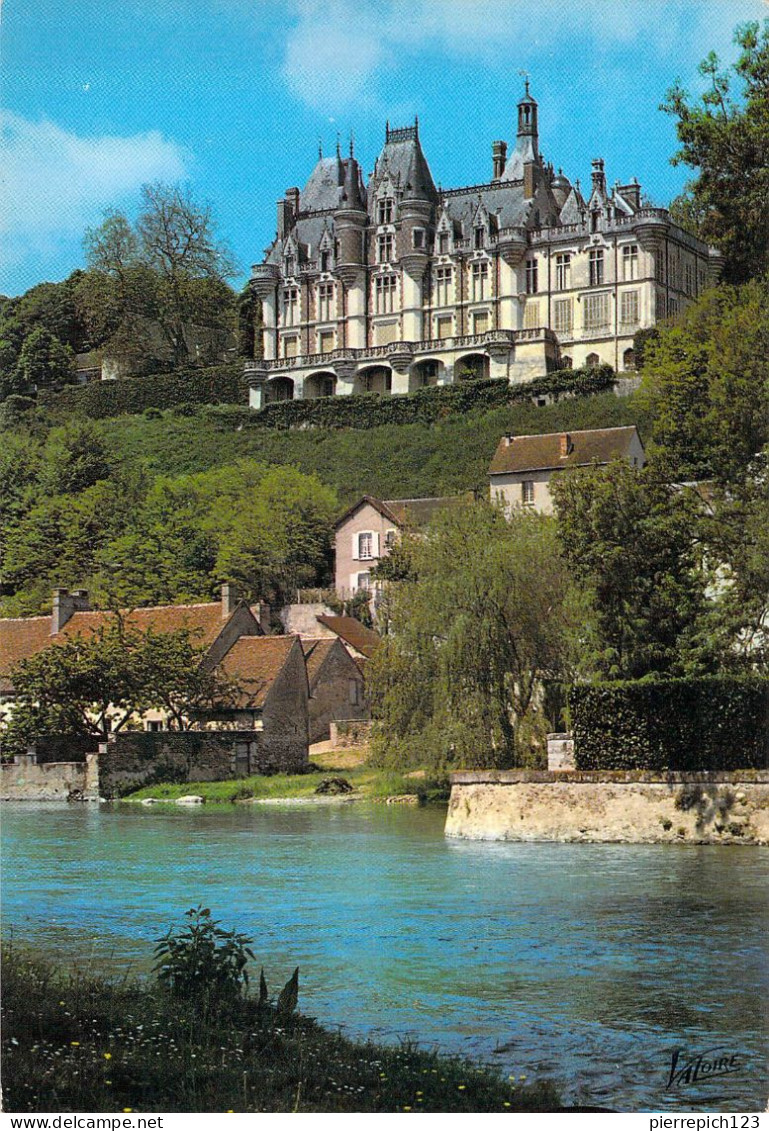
[320,149]
[338,146]
[352,144]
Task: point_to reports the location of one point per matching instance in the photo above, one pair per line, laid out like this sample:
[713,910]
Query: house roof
[316,652]
[352,632]
[20,638]
[544,453]
[256,662]
[417,512]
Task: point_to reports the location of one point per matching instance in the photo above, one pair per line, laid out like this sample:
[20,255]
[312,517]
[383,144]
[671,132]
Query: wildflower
[74,1043]
[506,1103]
[461,1087]
[108,1056]
[407,1109]
[127,1109]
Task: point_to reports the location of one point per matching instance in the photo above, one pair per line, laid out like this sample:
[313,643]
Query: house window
[628,309]
[531,315]
[443,280]
[480,281]
[384,293]
[153,725]
[630,262]
[325,302]
[562,272]
[325,341]
[531,277]
[563,316]
[418,238]
[481,322]
[480,238]
[444,326]
[596,312]
[385,211]
[364,580]
[290,306]
[385,247]
[365,545]
[354,693]
[443,243]
[596,267]
[527,492]
[389,539]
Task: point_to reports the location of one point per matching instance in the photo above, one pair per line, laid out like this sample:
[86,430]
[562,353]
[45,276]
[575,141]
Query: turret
[499,158]
[350,223]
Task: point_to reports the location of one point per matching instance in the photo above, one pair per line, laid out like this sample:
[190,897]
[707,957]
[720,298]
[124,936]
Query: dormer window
[443,243]
[290,265]
[480,238]
[385,211]
[325,261]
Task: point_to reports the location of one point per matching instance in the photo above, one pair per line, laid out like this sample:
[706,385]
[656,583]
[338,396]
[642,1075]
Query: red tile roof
[316,652]
[20,638]
[256,662]
[415,512]
[544,453]
[352,632]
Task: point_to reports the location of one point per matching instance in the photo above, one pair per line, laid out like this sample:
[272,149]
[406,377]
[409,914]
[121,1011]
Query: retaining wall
[28,780]
[635,807]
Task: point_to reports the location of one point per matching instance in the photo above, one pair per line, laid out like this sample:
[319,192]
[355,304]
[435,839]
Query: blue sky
[232,97]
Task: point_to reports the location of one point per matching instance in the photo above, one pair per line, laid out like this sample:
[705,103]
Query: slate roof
[324,187]
[543,453]
[402,158]
[256,662]
[352,632]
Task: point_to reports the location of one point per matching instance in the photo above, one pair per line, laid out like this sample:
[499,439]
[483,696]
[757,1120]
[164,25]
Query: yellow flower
[74,1043]
[461,1087]
[127,1109]
[108,1056]
[407,1109]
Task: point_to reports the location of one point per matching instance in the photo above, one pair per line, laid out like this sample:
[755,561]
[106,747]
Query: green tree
[477,626]
[44,362]
[726,139]
[630,541]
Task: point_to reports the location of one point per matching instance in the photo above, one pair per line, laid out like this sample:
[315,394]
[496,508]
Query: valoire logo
[704,1066]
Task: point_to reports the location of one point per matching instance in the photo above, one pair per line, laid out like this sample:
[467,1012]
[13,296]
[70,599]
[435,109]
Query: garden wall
[25,779]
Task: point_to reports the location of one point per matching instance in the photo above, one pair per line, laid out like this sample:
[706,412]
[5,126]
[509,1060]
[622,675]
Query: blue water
[589,964]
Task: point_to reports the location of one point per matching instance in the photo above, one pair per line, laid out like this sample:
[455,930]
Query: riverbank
[73,1041]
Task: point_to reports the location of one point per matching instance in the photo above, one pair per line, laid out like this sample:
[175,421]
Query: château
[393,285]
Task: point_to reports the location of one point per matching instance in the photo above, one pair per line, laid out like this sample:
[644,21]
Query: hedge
[217,384]
[708,723]
[369,410]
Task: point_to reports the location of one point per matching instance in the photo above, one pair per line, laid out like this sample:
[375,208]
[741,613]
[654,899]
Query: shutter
[353,582]
[355,547]
[375,546]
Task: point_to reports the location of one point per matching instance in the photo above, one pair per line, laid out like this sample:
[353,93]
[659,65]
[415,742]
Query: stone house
[523,466]
[368,530]
[337,688]
[395,284]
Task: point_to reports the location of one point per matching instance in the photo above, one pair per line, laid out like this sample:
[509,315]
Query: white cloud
[335,52]
[55,183]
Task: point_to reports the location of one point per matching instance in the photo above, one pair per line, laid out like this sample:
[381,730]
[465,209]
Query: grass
[74,1042]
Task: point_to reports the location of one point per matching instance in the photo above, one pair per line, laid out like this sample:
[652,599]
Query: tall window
[527,492]
[480,238]
[443,243]
[366,546]
[418,238]
[562,272]
[325,302]
[531,277]
[630,262]
[443,281]
[689,279]
[563,317]
[325,341]
[480,322]
[596,312]
[384,211]
[384,293]
[289,266]
[290,306]
[325,260]
[444,326]
[480,281]
[628,310]
[596,267]
[386,246]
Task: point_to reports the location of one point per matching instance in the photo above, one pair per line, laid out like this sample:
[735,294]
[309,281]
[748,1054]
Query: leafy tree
[630,541]
[75,457]
[477,626]
[44,362]
[726,139]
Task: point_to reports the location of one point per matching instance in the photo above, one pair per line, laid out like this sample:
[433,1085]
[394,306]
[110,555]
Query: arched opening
[592,361]
[375,379]
[566,362]
[319,385]
[425,373]
[279,389]
[628,359]
[472,367]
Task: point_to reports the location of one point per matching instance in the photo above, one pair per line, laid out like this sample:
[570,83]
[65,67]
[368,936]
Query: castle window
[325,302]
[289,266]
[385,247]
[443,243]
[480,281]
[596,267]
[290,306]
[444,327]
[385,211]
[659,267]
[325,341]
[596,312]
[563,316]
[689,279]
[562,272]
[443,281]
[480,322]
[531,277]
[291,346]
[384,293]
[592,361]
[628,359]
[628,310]
[418,238]
[480,239]
[531,316]
[630,262]
[325,259]
[595,216]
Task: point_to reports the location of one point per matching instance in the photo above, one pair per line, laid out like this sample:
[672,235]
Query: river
[590,964]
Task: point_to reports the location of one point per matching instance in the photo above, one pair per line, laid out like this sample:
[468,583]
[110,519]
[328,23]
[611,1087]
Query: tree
[43,362]
[727,142]
[479,623]
[630,540]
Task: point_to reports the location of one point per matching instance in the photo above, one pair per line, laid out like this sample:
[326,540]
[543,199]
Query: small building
[337,688]
[368,530]
[523,466]
[361,642]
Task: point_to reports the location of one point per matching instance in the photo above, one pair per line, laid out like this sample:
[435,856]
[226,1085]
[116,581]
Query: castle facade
[389,286]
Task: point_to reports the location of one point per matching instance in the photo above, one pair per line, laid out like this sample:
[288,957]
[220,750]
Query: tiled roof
[20,638]
[417,512]
[255,662]
[352,632]
[543,453]
[316,651]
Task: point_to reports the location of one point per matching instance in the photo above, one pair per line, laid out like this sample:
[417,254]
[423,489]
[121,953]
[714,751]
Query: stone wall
[29,780]
[633,807]
[350,732]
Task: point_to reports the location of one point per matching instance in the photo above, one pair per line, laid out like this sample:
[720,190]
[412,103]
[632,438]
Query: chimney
[632,194]
[261,611]
[287,210]
[566,445]
[499,157]
[508,438]
[599,176]
[65,604]
[230,599]
[529,169]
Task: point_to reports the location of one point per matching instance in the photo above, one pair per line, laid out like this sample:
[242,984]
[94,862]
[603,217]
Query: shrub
[215,384]
[202,959]
[707,723]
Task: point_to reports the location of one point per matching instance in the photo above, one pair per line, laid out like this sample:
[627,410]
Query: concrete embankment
[635,807]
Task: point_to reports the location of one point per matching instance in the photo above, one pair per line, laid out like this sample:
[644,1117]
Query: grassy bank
[74,1042]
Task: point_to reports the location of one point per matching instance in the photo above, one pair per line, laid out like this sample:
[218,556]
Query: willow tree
[477,626]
